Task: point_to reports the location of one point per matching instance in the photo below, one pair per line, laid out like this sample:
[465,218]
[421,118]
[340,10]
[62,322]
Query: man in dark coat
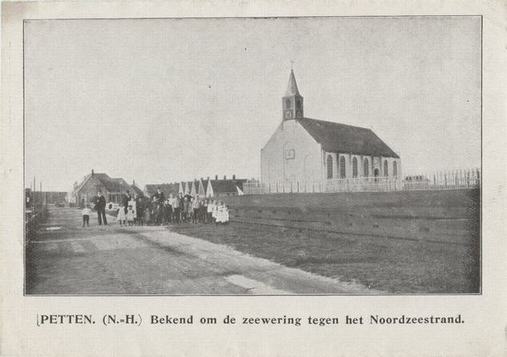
[177,209]
[101,208]
[140,210]
[159,199]
[126,199]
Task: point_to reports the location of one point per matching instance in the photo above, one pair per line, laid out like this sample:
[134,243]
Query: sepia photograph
[335,155]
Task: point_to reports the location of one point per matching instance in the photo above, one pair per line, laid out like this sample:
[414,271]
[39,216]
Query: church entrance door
[376,173]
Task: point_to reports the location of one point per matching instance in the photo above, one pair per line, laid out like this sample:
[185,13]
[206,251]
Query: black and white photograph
[332,155]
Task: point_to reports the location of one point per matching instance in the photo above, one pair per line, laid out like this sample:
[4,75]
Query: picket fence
[444,180]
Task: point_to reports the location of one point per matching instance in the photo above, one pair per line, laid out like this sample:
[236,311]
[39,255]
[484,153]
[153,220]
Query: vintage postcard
[194,165]
[196,172]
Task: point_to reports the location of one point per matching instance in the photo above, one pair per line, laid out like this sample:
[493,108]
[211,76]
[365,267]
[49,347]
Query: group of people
[181,208]
[100,207]
[127,212]
[175,209]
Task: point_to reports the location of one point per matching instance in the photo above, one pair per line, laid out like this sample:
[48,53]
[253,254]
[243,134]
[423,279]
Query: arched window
[329,167]
[354,167]
[366,169]
[342,167]
[386,168]
[395,169]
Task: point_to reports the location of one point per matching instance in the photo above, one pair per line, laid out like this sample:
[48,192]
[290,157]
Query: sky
[164,100]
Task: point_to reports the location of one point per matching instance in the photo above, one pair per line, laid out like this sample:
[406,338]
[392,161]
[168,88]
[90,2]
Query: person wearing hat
[101,208]
[159,200]
[126,199]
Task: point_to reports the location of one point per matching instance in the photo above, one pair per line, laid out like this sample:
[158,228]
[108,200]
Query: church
[304,150]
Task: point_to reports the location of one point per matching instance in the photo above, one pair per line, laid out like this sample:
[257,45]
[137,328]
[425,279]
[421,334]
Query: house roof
[336,137]
[227,186]
[292,87]
[111,184]
[80,186]
[137,190]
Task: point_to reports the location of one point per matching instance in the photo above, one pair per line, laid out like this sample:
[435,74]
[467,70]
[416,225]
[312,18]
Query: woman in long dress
[215,211]
[220,213]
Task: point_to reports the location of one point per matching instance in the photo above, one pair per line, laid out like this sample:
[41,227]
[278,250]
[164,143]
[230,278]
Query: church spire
[292,102]
[292,87]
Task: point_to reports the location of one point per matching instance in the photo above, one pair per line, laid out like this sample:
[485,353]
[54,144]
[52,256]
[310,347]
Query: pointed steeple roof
[292,87]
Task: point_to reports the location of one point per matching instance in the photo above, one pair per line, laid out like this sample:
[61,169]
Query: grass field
[391,265]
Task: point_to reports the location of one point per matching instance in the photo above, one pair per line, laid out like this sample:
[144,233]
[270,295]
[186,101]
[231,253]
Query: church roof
[292,87]
[336,137]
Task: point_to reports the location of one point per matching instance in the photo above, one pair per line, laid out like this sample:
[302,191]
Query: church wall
[374,162]
[369,158]
[378,163]
[349,158]
[347,165]
[358,159]
[400,172]
[370,166]
[335,168]
[390,161]
[291,154]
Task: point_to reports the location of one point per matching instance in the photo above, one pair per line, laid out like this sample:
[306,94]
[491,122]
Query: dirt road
[66,258]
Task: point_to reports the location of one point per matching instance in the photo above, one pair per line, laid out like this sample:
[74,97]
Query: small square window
[290,154]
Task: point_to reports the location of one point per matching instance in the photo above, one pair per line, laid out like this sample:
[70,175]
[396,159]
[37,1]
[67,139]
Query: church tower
[292,102]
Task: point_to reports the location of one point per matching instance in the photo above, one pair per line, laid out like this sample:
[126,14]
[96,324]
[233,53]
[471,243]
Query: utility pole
[33,195]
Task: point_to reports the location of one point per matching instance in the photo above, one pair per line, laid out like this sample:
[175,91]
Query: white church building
[305,151]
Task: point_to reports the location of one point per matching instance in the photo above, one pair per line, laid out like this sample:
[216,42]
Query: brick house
[113,189]
[227,187]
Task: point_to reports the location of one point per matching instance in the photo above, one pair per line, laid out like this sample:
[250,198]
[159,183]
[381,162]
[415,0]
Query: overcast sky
[176,99]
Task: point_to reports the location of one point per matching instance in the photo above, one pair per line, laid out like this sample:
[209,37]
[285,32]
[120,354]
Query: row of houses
[204,187]
[114,189]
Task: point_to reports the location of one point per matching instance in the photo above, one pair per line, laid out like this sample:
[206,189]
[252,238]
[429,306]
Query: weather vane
[291,65]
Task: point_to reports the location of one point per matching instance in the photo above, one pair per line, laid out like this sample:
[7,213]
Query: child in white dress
[226,215]
[121,216]
[221,213]
[130,216]
[214,213]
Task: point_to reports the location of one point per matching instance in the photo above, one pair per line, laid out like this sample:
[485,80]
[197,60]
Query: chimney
[234,177]
[134,182]
[225,177]
[207,178]
[93,173]
[216,177]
